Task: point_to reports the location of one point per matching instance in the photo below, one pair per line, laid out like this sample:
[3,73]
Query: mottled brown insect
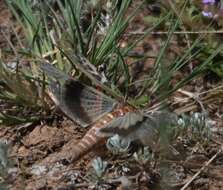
[106,117]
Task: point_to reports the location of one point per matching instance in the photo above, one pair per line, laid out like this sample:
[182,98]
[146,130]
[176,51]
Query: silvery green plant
[117,145]
[199,125]
[4,161]
[99,167]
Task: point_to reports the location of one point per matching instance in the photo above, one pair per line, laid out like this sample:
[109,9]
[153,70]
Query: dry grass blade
[202,169]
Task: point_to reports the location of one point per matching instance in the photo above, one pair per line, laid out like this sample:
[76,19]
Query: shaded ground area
[34,144]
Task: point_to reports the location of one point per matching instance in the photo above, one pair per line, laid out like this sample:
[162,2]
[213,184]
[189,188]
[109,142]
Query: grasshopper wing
[136,126]
[79,102]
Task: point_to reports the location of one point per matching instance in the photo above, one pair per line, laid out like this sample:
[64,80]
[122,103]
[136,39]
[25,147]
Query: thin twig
[199,172]
[176,32]
[199,94]
[195,96]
